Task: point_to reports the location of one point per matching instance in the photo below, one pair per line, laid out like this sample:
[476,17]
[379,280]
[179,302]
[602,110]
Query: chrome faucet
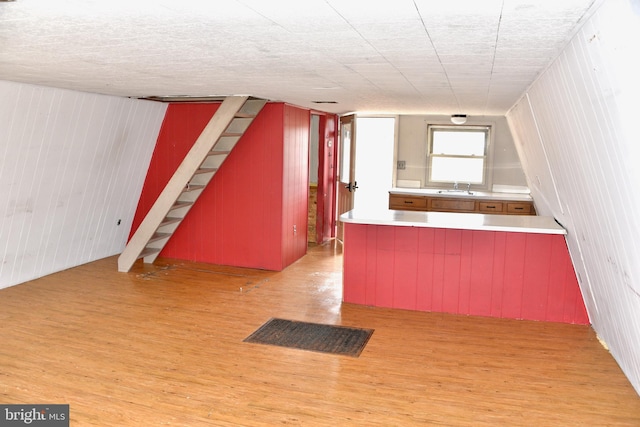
[468,187]
[455,186]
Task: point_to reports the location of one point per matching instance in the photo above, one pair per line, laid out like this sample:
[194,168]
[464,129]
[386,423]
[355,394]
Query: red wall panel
[241,216]
[424,292]
[385,254]
[295,179]
[360,273]
[513,268]
[483,273]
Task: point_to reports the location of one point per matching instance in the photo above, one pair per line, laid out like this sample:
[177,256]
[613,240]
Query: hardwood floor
[162,345]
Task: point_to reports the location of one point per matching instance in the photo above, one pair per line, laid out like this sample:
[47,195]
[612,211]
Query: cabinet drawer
[407,202]
[453,205]
[519,208]
[490,206]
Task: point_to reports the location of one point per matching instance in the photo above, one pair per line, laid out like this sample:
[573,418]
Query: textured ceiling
[402,56]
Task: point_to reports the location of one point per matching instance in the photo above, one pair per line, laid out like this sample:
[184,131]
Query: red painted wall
[295,179]
[483,273]
[246,215]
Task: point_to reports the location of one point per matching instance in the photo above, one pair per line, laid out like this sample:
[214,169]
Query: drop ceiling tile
[285,48]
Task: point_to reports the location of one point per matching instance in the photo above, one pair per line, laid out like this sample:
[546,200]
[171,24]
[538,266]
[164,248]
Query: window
[458,154]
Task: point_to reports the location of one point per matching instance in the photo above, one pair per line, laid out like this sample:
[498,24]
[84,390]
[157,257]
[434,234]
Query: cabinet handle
[518,209]
[408,202]
[491,207]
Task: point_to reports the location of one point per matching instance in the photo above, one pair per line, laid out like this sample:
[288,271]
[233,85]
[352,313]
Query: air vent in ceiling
[185,98]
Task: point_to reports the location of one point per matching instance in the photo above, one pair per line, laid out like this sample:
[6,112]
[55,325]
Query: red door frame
[327,173]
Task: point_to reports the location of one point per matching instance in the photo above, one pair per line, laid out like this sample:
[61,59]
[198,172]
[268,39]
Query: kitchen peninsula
[507,266]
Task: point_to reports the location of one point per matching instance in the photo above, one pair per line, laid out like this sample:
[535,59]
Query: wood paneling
[162,345]
[247,214]
[72,166]
[295,181]
[584,109]
[534,160]
[480,273]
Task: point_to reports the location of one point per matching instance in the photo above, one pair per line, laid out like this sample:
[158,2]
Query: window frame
[487,163]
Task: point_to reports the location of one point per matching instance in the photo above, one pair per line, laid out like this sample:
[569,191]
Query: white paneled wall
[533,158]
[72,166]
[577,132]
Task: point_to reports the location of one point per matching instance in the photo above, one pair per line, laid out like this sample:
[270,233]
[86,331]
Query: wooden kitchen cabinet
[460,204]
[490,207]
[520,208]
[408,203]
[449,205]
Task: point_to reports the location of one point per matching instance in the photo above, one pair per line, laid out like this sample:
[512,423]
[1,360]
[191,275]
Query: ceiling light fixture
[459,119]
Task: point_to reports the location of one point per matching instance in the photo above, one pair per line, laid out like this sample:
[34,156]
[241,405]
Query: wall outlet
[402,164]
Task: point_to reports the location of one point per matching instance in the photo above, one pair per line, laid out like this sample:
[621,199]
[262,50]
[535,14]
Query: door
[346,170]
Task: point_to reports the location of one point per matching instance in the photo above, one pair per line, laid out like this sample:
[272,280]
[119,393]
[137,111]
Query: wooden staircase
[212,147]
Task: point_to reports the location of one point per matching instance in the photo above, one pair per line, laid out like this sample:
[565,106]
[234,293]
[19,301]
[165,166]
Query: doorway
[374,161]
[314,153]
[365,174]
[322,177]
[347,183]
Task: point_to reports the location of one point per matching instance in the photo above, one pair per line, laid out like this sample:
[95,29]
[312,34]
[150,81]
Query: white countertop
[461,221]
[461,194]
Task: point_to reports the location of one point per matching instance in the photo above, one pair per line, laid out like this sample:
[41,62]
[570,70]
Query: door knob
[351,186]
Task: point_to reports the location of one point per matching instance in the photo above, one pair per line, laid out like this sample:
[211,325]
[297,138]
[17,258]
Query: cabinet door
[452,205]
[407,202]
[520,208]
[489,207]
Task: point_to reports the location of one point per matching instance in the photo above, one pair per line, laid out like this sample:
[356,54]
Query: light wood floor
[162,345]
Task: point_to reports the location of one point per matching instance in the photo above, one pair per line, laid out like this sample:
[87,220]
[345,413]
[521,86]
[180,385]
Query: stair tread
[159,236]
[180,204]
[192,187]
[205,170]
[169,220]
[148,251]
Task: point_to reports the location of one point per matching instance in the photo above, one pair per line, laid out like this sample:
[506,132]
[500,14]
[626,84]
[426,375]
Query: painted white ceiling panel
[405,56]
